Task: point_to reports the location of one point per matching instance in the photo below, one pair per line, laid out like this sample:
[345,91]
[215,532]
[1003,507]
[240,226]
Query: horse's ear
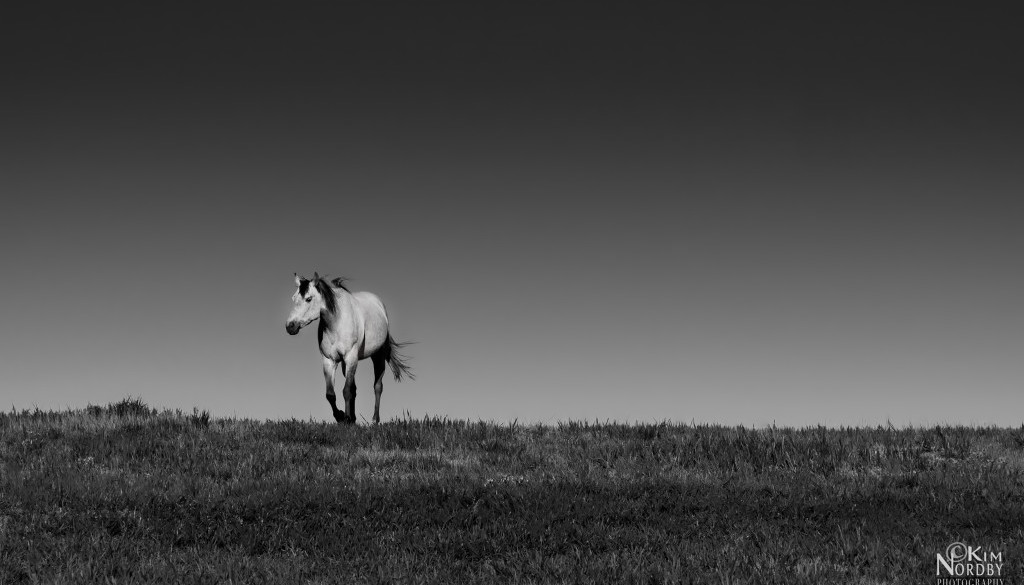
[297,279]
[316,276]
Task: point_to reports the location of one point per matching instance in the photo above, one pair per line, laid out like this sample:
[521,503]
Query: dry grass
[124,493]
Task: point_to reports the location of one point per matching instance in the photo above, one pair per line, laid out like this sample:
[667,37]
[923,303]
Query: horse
[353,326]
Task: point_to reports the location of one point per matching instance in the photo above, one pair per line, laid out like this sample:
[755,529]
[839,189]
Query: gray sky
[754,216]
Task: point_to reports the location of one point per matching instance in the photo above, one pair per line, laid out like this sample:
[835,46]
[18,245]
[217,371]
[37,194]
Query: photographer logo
[969,565]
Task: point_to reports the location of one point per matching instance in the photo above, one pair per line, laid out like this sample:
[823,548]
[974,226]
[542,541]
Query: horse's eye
[308,299]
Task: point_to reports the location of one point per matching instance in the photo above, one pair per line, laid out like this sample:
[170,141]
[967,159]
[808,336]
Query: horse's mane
[324,288]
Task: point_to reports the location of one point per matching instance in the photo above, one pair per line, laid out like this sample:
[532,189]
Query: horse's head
[309,302]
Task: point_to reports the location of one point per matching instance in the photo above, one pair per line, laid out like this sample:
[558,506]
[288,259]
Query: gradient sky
[737,215]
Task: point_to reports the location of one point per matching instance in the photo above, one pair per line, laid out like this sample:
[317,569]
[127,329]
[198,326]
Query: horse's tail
[399,363]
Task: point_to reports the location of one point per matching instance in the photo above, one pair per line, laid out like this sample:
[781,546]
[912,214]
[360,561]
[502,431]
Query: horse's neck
[344,312]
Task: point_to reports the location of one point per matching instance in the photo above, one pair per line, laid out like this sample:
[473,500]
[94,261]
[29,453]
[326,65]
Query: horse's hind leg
[378,384]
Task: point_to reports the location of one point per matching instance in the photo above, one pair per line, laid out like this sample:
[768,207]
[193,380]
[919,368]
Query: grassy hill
[124,494]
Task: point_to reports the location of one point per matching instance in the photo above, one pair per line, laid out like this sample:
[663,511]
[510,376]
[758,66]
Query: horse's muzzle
[292,327]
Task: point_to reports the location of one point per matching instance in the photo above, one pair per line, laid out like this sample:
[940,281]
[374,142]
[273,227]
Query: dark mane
[324,288]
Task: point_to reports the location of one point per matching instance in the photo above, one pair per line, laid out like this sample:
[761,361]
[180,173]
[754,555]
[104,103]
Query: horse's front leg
[330,367]
[349,391]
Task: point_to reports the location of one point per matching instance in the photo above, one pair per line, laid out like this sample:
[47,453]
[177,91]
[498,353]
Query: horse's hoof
[340,417]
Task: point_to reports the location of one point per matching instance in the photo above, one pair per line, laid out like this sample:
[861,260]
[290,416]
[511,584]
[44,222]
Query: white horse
[353,326]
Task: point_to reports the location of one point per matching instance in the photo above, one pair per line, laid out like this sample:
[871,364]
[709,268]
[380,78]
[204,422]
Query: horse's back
[375,321]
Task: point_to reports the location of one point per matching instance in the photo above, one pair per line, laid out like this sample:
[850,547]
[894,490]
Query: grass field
[124,493]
